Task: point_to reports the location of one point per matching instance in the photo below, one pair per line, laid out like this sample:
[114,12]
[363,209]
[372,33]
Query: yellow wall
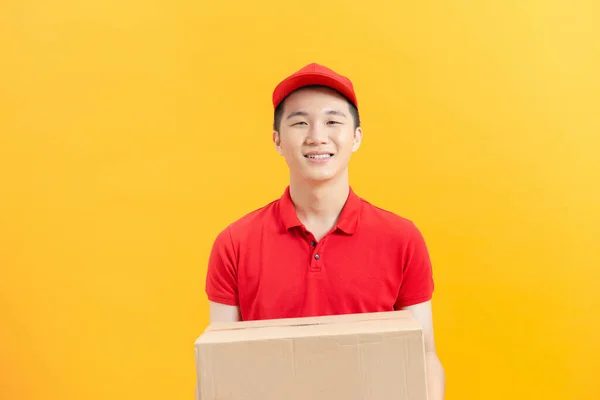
[132,132]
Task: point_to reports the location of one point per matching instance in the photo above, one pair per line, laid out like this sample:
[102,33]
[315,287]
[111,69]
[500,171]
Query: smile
[319,156]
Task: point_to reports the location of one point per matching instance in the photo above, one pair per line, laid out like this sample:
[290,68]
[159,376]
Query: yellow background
[132,132]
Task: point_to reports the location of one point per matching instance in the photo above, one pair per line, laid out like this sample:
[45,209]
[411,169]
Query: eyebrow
[296,114]
[304,113]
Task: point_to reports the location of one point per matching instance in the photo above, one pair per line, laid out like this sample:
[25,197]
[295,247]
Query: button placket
[316,254]
[316,261]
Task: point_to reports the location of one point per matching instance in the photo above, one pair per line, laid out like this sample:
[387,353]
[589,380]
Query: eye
[334,122]
[299,123]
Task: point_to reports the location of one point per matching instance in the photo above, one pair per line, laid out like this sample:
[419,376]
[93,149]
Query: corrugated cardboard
[374,356]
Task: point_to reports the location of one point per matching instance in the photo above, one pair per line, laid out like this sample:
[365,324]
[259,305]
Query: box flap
[325,319]
[400,322]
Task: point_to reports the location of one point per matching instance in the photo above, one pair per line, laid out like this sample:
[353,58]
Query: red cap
[314,74]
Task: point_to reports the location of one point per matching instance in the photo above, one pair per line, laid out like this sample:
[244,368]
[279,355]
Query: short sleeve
[417,277]
[221,276]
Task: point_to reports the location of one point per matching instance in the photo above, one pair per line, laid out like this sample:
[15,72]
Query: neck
[319,203]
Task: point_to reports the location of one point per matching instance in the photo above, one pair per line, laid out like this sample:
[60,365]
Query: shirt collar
[347,222]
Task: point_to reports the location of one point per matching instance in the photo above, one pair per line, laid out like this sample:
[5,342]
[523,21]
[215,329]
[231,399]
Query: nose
[317,134]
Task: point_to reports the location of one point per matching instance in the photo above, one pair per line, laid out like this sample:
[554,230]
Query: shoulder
[393,231]
[250,223]
[387,222]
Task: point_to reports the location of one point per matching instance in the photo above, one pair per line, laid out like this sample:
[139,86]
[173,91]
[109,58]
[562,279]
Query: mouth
[323,156]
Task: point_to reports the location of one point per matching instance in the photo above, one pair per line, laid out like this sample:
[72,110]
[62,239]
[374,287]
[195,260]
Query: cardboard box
[374,356]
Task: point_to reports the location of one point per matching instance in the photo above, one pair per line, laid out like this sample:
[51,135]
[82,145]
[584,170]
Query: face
[317,135]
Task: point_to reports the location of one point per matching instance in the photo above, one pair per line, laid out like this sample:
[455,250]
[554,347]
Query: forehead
[320,98]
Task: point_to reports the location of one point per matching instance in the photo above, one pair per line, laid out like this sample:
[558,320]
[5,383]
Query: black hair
[278,114]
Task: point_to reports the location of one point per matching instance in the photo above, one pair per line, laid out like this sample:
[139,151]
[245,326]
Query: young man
[320,249]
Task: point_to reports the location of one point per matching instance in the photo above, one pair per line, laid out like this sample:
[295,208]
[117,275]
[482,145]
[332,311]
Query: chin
[318,178]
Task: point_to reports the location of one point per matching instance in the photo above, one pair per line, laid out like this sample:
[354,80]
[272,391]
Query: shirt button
[317,257]
[313,243]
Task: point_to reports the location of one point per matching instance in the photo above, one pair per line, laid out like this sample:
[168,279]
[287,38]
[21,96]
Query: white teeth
[319,156]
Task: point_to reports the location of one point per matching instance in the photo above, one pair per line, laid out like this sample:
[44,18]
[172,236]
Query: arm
[221,282]
[415,296]
[223,313]
[436,378]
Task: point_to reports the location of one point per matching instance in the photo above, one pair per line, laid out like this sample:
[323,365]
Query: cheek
[290,148]
[343,140]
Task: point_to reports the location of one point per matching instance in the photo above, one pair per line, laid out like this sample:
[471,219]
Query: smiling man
[320,249]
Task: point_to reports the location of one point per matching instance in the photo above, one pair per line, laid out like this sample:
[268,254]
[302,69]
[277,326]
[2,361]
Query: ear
[277,142]
[358,135]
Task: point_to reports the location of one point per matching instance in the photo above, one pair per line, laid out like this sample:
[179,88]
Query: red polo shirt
[271,267]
